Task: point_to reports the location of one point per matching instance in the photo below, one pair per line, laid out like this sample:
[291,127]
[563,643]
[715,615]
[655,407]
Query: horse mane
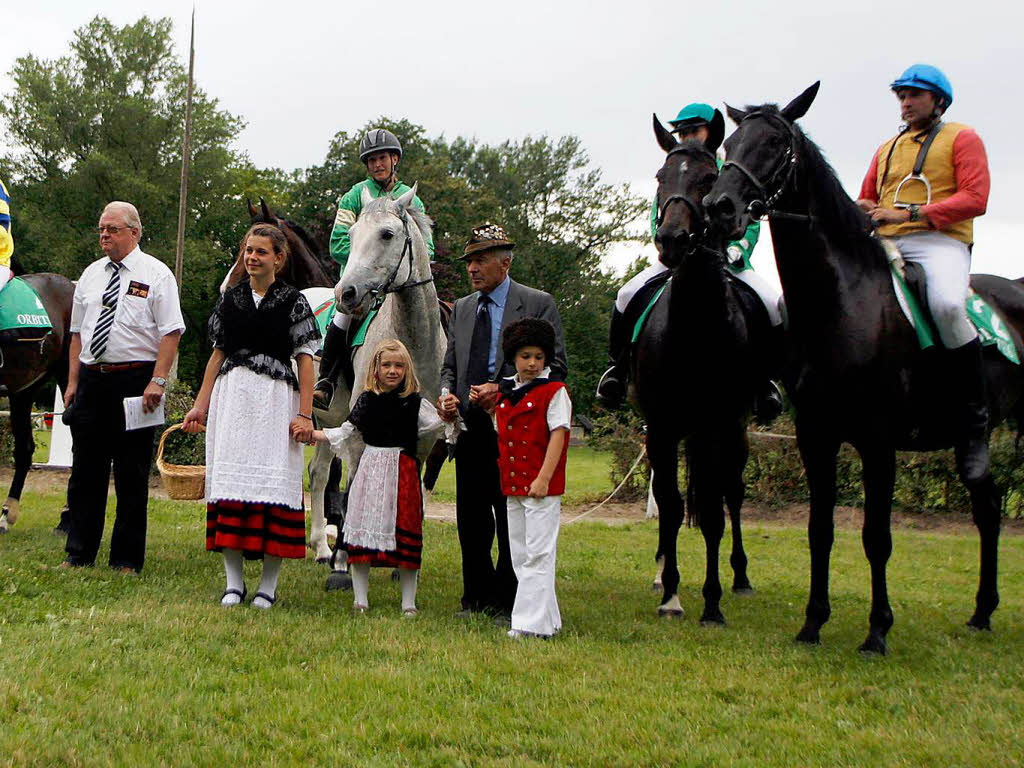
[834,210]
[386,204]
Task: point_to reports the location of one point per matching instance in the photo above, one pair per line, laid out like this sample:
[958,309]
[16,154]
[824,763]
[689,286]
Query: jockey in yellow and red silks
[6,240]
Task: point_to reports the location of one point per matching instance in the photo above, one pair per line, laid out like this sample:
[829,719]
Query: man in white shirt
[125,326]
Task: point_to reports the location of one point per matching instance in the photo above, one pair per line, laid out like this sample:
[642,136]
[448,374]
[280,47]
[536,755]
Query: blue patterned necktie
[106,320]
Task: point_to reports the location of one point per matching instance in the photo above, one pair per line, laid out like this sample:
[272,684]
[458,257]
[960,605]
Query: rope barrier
[643,452]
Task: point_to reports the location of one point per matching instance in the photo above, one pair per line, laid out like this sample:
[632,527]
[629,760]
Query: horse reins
[388,286]
[764,207]
[695,214]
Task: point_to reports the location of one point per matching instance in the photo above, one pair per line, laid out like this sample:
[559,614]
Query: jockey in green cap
[381,151]
[702,122]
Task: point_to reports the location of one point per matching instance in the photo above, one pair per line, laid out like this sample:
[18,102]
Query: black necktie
[480,346]
[101,333]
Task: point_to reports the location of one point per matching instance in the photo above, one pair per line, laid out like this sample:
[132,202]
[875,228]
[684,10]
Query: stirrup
[768,404]
[610,391]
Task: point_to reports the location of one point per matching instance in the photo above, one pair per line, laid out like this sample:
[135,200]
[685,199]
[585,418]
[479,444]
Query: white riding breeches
[341,320]
[628,291]
[947,268]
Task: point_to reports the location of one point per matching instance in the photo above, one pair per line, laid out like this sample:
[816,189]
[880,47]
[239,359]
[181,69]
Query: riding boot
[611,388]
[768,404]
[970,406]
[335,353]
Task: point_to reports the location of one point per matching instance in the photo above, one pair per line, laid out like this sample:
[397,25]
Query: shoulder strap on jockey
[922,153]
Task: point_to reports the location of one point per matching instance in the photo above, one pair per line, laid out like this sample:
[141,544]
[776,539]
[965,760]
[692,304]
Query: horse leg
[986,508]
[319,472]
[818,453]
[879,464]
[24,447]
[735,491]
[663,455]
[704,458]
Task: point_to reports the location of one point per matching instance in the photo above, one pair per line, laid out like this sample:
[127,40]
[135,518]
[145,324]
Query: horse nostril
[348,295]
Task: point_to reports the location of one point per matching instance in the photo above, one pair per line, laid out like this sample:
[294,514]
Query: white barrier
[60,436]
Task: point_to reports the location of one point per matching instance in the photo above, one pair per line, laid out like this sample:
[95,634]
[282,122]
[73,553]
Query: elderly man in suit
[473,366]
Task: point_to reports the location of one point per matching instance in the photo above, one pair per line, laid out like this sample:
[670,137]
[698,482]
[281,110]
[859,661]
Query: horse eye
[387,234]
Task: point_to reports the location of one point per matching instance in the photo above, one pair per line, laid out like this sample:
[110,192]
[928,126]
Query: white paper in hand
[136,418]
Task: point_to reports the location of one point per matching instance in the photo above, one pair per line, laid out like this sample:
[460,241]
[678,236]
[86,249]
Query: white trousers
[947,268]
[628,291]
[533,541]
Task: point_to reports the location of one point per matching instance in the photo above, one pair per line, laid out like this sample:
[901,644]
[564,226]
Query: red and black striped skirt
[408,524]
[256,528]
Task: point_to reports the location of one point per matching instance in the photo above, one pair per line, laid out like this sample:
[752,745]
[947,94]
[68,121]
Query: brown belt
[115,367]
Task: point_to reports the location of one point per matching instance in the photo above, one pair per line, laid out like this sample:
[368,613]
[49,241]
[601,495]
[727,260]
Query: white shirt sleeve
[77,308]
[560,410]
[165,306]
[428,420]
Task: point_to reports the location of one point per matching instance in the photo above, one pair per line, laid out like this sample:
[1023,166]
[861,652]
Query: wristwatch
[160,381]
[915,212]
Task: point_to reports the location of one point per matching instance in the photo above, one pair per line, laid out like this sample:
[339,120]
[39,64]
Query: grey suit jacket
[522,301]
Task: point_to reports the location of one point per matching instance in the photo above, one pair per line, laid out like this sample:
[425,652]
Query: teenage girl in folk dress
[259,416]
[384,524]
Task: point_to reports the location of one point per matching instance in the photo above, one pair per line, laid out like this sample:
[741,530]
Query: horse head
[388,252]
[761,156]
[689,171]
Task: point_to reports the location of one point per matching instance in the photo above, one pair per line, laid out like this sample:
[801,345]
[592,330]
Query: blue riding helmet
[927,78]
[701,114]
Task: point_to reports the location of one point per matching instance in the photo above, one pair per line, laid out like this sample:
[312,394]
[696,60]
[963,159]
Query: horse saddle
[324,314]
[911,284]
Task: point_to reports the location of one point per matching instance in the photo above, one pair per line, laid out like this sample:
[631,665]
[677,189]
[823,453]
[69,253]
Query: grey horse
[388,270]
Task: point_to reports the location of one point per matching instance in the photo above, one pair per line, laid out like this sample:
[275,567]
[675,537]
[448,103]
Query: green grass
[102,669]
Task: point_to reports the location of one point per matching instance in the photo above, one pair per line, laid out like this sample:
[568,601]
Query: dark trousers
[97,429]
[480,513]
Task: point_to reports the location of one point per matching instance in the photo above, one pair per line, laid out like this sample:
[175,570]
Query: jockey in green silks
[694,121]
[381,151]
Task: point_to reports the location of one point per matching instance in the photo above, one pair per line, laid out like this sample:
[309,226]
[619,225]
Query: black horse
[27,364]
[859,375]
[696,366]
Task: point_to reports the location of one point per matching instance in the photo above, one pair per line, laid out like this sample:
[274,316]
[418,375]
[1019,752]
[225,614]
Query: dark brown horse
[859,375]
[27,364]
[696,366]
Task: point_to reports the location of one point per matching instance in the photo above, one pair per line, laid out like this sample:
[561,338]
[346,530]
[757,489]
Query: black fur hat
[529,332]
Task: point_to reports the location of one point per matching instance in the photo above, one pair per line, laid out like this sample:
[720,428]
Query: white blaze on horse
[388,271]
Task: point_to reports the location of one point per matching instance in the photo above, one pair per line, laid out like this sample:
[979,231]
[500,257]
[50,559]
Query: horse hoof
[323,560]
[670,613]
[742,589]
[808,636]
[3,529]
[979,623]
[338,580]
[60,530]
[657,586]
[875,644]
[715,619]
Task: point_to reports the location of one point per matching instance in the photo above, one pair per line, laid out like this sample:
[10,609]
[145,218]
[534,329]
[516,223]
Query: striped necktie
[102,331]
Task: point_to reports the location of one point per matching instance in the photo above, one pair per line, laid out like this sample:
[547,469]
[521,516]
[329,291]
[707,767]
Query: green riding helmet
[701,114]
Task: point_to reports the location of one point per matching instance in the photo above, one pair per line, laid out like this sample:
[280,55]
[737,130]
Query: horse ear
[406,200]
[366,198]
[253,213]
[665,139]
[736,115]
[798,107]
[268,217]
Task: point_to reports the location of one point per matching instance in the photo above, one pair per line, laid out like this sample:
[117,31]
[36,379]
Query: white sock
[407,577]
[360,583]
[234,576]
[268,581]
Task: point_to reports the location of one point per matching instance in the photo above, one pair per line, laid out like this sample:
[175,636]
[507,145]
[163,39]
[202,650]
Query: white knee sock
[407,577]
[268,581]
[234,576]
[360,583]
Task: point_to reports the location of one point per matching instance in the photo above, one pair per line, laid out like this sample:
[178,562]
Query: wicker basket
[181,481]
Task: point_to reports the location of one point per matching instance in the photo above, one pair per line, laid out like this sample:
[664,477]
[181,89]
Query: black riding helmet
[379,140]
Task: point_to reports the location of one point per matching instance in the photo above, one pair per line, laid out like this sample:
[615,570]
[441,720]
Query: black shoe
[967,374]
[334,352]
[768,404]
[610,389]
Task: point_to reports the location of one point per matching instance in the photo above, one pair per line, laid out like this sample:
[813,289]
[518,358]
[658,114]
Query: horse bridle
[696,238]
[388,286]
[764,206]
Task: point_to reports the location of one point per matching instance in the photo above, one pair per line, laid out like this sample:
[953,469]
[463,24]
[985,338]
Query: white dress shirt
[147,308]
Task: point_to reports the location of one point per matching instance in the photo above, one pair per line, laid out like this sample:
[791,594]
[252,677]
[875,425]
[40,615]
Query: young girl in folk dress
[384,524]
[259,418]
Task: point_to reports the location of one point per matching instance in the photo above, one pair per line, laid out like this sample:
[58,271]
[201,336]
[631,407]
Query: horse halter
[695,214]
[763,206]
[388,286]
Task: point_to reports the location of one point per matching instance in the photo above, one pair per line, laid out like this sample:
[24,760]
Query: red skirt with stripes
[256,528]
[408,524]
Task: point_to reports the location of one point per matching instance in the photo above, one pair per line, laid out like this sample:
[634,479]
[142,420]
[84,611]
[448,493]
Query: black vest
[262,330]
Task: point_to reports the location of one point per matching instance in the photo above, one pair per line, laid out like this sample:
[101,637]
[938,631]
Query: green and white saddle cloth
[324,314]
[991,328]
[22,311]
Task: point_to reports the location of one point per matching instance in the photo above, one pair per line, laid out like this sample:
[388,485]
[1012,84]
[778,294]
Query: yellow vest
[938,169]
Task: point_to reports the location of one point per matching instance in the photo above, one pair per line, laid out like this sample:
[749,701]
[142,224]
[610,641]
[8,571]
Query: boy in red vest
[532,416]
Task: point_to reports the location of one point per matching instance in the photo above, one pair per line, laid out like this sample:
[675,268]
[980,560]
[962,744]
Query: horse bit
[697,238]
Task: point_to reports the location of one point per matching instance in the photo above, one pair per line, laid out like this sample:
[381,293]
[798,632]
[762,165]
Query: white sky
[299,71]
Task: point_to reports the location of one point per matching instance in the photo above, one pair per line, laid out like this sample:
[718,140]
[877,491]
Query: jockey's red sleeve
[869,187]
[970,169]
